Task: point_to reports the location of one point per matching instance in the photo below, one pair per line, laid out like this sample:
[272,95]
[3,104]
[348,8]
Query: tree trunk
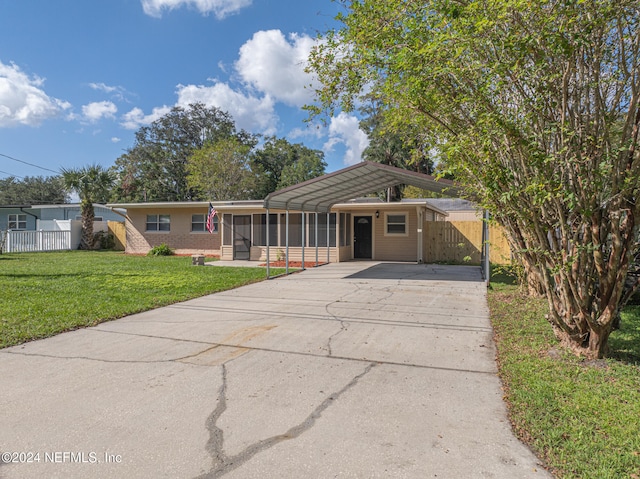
[88,215]
[534,282]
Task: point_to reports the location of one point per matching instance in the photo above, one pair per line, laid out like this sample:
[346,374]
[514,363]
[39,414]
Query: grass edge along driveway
[582,418]
[44,294]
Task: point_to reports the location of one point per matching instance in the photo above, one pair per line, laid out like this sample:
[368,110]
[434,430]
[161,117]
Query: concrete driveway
[350,370]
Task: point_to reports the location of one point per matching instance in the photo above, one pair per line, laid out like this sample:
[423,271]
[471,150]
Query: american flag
[210,225]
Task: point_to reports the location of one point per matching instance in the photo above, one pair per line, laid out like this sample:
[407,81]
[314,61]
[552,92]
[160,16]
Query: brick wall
[179,237]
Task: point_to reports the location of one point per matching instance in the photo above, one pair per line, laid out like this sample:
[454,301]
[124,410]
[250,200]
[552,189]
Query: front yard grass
[44,294]
[581,417]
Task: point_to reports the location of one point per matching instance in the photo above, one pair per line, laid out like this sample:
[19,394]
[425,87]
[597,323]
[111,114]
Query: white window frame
[157,224]
[396,213]
[17,219]
[203,222]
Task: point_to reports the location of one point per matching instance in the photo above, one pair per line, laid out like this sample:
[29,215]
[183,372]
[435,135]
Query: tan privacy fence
[119,232]
[461,242]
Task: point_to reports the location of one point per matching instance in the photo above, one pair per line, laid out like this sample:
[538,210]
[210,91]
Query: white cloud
[249,112]
[117,92]
[220,8]
[97,110]
[274,65]
[22,99]
[136,118]
[344,129]
[115,139]
[103,87]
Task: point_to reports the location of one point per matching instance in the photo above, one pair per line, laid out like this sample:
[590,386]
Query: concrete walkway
[350,370]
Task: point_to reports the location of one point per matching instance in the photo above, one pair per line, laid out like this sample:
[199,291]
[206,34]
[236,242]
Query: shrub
[104,240]
[160,250]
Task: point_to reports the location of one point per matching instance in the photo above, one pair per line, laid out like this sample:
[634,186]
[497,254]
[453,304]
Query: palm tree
[92,184]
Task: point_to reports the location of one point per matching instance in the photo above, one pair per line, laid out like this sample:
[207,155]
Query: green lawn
[46,293]
[581,417]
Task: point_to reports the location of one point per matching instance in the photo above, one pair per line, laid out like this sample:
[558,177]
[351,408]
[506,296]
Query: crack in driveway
[222,464]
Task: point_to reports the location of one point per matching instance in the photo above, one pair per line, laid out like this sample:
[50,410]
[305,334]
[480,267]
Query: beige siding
[180,238]
[396,247]
[259,253]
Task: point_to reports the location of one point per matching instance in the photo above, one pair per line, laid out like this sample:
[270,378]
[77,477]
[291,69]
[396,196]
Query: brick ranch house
[318,217]
[359,229]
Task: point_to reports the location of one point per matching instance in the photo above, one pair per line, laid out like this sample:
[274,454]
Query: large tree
[534,105]
[279,164]
[154,169]
[92,184]
[389,146]
[221,171]
[32,190]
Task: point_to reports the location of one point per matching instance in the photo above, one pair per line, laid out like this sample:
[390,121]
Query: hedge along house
[320,214]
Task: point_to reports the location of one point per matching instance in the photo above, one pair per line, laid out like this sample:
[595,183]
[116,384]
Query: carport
[318,195]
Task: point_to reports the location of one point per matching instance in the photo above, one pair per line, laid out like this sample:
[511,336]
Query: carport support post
[304,215]
[485,247]
[328,236]
[286,256]
[268,267]
[316,215]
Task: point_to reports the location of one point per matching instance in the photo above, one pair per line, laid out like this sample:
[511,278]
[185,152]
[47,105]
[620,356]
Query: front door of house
[241,236]
[362,237]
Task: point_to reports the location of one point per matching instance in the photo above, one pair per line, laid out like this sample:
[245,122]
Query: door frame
[355,218]
[248,240]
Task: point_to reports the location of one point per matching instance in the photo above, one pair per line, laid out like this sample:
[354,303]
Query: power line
[30,164]
[11,174]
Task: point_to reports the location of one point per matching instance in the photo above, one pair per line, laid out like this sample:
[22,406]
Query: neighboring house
[49,227]
[358,229]
[457,209]
[25,217]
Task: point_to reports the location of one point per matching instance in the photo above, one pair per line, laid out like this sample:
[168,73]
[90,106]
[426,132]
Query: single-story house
[358,229]
[322,219]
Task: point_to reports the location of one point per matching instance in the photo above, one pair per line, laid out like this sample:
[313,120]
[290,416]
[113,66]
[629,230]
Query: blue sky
[79,77]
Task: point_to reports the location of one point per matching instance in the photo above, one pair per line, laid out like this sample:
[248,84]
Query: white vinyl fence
[22,241]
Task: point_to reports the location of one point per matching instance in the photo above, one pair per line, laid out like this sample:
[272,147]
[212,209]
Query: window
[158,222]
[95,218]
[227,229]
[396,224]
[345,228]
[322,229]
[295,229]
[17,222]
[199,223]
[260,230]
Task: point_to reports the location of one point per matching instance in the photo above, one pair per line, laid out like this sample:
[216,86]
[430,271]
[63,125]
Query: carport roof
[320,194]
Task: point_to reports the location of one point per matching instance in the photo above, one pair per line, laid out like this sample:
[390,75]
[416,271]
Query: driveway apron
[349,370]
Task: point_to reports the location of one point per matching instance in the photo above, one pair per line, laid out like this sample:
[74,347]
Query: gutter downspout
[27,213]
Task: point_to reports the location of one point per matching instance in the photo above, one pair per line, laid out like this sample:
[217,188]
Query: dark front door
[362,237]
[241,236]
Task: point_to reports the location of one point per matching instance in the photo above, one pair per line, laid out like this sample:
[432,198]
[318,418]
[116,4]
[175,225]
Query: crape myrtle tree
[92,184]
[533,105]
